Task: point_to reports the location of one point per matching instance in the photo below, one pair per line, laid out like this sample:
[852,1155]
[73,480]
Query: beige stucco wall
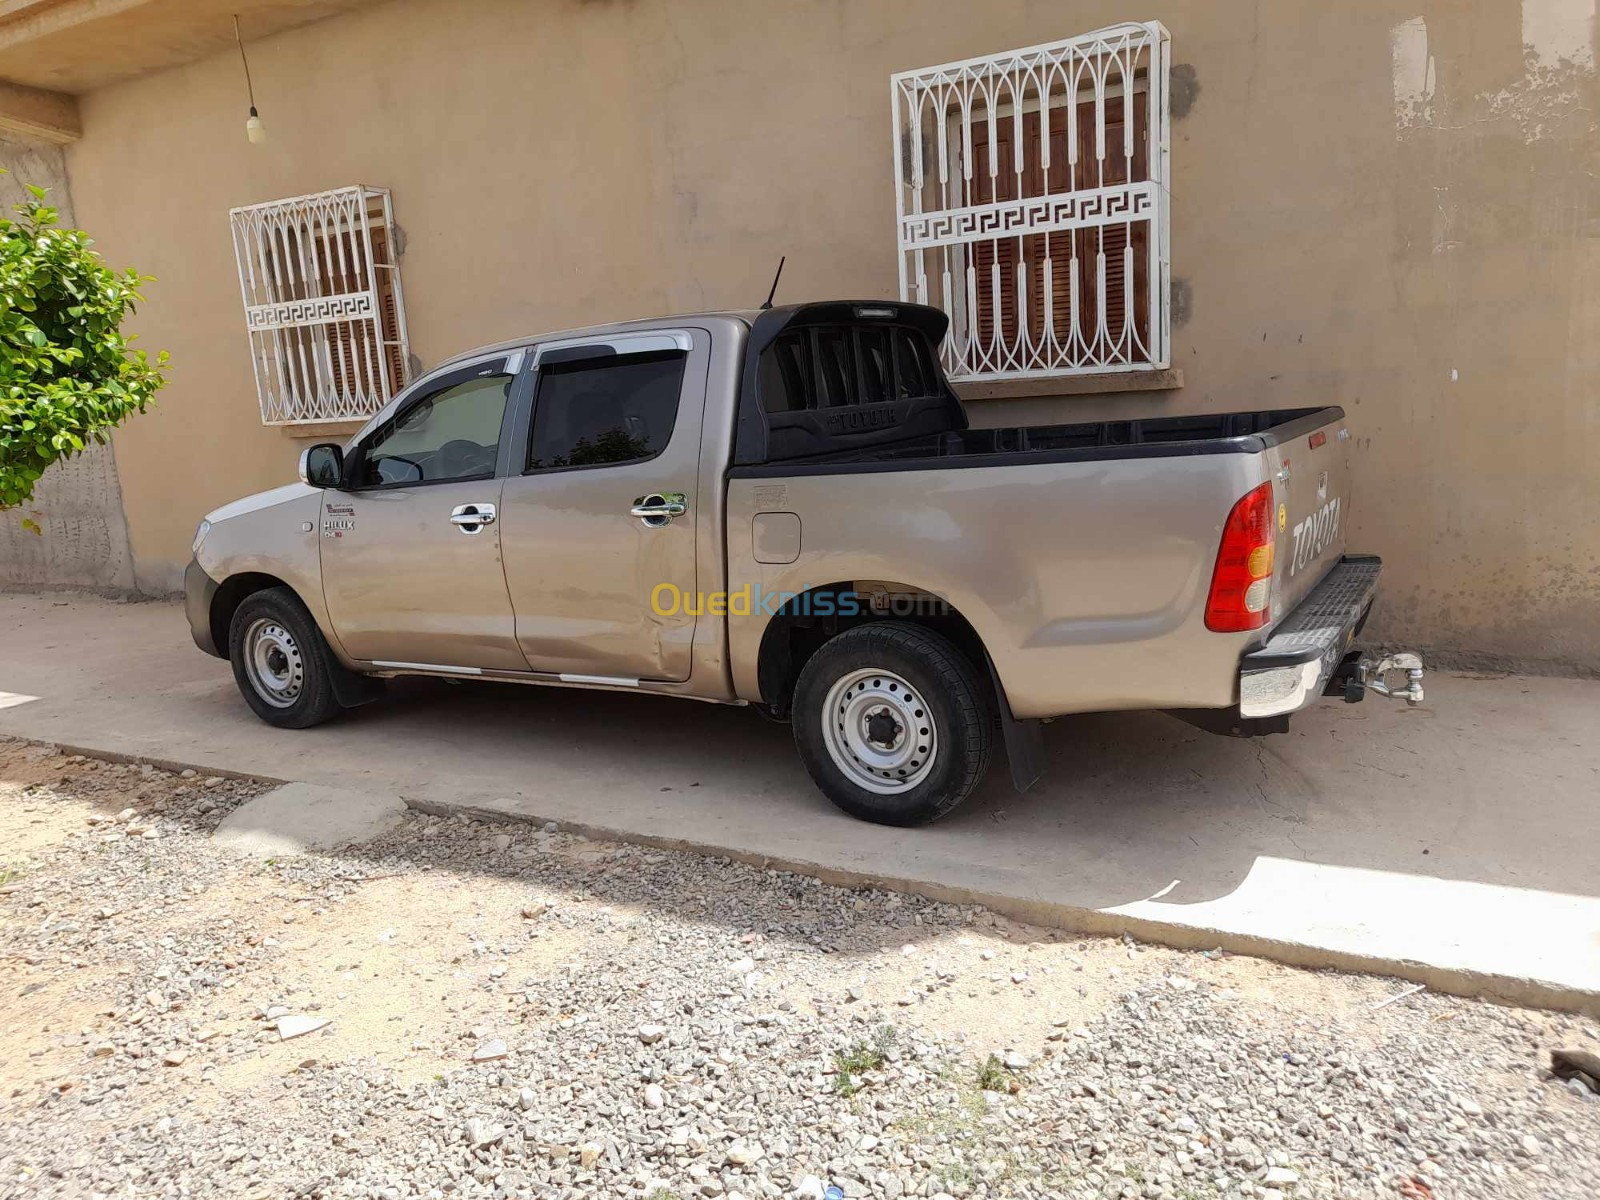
[1350,224]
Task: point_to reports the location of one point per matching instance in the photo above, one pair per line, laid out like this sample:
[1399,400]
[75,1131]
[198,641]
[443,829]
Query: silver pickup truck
[788,509]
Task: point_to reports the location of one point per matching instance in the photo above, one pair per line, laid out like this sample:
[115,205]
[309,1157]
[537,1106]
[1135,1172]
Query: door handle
[657,509]
[471,518]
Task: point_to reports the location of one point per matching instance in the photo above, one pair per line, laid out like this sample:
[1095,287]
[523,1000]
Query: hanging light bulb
[253,128]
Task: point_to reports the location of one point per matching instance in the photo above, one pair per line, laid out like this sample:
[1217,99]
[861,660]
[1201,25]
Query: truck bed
[1147,437]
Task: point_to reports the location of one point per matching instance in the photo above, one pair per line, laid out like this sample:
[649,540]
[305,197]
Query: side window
[442,436]
[604,411]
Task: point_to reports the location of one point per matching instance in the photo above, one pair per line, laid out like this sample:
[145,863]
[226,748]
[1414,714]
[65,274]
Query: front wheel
[893,723]
[283,667]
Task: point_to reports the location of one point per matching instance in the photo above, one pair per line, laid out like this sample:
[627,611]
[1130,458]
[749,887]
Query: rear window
[831,366]
[604,411]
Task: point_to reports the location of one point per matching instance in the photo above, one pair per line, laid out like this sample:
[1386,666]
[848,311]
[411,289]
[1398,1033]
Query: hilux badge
[338,520]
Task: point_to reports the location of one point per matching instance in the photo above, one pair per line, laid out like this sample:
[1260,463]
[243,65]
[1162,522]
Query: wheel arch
[231,593]
[808,619]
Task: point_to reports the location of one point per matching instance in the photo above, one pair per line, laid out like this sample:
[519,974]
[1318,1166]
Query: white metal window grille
[320,277]
[1032,196]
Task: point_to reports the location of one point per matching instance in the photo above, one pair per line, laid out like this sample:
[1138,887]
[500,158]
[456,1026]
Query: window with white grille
[1032,193]
[320,277]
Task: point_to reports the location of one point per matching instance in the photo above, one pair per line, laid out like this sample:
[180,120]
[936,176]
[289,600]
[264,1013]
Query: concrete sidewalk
[1453,844]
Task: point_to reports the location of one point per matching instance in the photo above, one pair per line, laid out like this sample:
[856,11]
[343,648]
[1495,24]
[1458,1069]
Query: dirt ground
[144,968]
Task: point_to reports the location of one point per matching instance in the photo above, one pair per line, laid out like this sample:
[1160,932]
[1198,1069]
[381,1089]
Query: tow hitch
[1358,674]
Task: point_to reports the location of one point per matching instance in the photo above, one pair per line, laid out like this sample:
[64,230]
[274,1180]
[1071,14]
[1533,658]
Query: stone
[651,1034]
[175,1058]
[527,1098]
[479,1132]
[1529,1145]
[298,1025]
[654,1097]
[743,1153]
[589,1153]
[1276,1176]
[1015,1060]
[298,817]
[809,1188]
[489,1051]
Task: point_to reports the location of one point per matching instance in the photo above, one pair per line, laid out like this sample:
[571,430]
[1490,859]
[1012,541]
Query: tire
[281,662]
[878,685]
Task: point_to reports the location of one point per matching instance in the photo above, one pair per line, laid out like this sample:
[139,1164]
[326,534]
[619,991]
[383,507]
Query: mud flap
[1024,743]
[352,689]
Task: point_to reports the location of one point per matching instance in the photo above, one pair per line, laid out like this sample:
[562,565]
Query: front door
[411,548]
[598,516]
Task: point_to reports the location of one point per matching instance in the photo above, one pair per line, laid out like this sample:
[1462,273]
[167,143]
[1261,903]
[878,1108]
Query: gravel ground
[463,1009]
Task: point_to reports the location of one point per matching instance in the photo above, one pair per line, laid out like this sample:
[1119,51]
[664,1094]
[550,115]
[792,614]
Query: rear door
[1312,474]
[601,592]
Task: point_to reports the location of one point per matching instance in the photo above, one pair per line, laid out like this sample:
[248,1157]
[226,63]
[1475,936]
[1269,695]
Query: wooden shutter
[388,311]
[997,251]
[1063,249]
[1114,239]
[357,361]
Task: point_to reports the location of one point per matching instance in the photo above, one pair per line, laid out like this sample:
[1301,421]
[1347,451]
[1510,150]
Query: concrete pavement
[1453,844]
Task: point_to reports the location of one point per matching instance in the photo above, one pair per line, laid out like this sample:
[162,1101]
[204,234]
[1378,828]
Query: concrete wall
[1389,204]
[77,503]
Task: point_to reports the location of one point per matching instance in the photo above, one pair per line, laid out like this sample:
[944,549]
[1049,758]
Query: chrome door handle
[657,509]
[471,518]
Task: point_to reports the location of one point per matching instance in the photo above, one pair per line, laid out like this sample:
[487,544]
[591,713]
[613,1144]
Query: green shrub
[67,375]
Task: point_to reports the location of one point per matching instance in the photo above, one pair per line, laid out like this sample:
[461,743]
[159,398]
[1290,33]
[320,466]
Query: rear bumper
[1295,665]
[199,589]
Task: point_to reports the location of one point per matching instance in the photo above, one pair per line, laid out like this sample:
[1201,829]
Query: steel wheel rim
[273,663]
[879,731]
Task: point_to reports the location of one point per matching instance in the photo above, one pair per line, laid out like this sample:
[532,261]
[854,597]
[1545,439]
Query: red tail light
[1241,585]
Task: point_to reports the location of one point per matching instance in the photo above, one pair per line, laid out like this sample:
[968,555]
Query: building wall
[1388,204]
[77,503]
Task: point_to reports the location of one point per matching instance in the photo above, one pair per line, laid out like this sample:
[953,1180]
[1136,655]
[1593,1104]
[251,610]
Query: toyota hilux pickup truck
[788,509]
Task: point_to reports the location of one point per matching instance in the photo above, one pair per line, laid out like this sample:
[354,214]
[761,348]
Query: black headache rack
[855,385]
[842,376]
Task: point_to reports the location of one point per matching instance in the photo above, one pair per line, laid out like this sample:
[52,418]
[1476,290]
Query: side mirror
[322,465]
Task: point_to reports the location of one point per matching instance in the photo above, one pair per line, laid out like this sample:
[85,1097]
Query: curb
[1499,989]
[1514,990]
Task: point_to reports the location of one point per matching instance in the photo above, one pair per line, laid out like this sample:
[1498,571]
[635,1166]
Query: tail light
[1241,585]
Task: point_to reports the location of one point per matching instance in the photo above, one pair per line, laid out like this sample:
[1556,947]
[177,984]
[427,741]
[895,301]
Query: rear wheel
[893,723]
[281,663]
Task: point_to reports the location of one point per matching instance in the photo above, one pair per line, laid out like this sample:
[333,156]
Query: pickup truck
[788,509]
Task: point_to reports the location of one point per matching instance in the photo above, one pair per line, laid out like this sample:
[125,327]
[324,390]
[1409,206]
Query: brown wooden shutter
[1001,251]
[1059,248]
[388,311]
[1114,239]
[359,363]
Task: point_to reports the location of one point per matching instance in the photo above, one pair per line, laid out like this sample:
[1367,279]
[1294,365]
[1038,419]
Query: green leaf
[68,374]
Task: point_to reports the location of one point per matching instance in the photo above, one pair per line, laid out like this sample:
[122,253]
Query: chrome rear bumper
[1310,646]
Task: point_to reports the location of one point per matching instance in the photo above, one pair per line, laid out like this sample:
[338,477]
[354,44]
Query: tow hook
[1373,675]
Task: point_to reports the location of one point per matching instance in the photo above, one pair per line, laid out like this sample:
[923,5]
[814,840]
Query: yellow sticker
[1283,517]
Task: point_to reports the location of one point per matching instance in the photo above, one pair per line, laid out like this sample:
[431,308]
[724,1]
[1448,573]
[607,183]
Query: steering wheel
[463,457]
